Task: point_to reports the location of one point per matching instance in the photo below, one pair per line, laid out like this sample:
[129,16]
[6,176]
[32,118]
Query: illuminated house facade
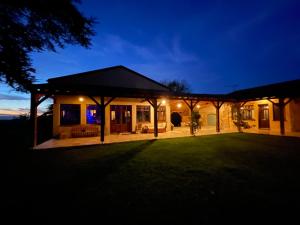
[117,100]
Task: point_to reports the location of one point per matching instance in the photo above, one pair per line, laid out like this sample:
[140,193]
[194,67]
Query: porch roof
[119,81]
[111,77]
[287,89]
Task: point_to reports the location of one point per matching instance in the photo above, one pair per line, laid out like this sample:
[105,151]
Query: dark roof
[283,89]
[119,81]
[111,77]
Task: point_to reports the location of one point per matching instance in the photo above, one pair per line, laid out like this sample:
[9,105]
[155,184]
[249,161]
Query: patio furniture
[144,129]
[138,128]
[84,131]
[161,127]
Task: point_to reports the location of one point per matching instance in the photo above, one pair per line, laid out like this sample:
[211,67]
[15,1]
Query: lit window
[93,114]
[161,114]
[143,113]
[247,112]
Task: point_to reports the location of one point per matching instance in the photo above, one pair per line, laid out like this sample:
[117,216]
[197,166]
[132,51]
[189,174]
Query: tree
[37,25]
[177,86]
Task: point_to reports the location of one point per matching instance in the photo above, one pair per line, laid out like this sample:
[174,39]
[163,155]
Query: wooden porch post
[102,105]
[33,118]
[281,106]
[35,101]
[239,116]
[217,105]
[154,101]
[191,121]
[191,107]
[218,118]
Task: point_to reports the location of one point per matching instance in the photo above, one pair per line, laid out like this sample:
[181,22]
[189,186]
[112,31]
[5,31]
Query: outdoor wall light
[179,105]
[198,106]
[163,102]
[81,99]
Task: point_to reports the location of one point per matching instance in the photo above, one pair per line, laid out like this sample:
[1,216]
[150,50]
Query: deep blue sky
[216,46]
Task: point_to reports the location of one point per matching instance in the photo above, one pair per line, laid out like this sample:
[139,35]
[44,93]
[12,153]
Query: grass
[236,178]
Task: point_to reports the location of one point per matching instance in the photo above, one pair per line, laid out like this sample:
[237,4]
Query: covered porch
[109,86]
[106,86]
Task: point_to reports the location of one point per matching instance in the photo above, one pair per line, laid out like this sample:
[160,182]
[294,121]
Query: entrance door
[263,116]
[120,118]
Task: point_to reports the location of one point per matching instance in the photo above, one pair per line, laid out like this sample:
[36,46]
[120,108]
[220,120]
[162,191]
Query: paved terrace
[118,138]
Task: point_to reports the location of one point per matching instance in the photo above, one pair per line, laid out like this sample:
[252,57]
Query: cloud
[243,26]
[12,97]
[18,111]
[169,51]
[178,55]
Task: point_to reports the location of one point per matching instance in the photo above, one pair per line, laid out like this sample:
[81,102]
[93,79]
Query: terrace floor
[117,138]
[175,133]
[270,132]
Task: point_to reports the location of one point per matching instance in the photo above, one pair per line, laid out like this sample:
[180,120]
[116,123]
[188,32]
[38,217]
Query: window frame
[164,113]
[247,110]
[138,109]
[62,121]
[99,114]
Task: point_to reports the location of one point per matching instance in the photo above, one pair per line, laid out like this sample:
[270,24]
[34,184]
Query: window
[247,112]
[276,113]
[161,114]
[143,113]
[93,114]
[69,114]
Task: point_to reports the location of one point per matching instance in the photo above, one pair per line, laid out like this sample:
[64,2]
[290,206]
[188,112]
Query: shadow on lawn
[68,191]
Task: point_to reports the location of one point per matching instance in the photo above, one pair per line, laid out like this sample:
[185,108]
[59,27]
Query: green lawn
[240,178]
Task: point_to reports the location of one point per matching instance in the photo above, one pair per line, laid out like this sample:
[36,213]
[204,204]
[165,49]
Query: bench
[161,127]
[84,131]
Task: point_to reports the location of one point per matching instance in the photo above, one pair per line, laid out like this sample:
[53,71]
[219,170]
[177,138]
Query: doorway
[120,118]
[263,116]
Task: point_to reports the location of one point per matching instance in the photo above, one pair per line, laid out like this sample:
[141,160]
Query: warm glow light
[81,99]
[198,106]
[163,102]
[179,105]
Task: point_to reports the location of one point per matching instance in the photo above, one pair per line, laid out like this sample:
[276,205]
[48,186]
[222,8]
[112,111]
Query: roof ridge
[86,72]
[139,74]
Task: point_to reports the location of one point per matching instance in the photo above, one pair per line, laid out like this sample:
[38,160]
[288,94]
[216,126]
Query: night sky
[215,46]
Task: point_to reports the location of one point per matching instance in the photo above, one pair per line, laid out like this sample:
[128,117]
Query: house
[118,100]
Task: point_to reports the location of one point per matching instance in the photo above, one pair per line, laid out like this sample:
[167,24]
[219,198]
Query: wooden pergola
[285,92]
[86,84]
[41,92]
